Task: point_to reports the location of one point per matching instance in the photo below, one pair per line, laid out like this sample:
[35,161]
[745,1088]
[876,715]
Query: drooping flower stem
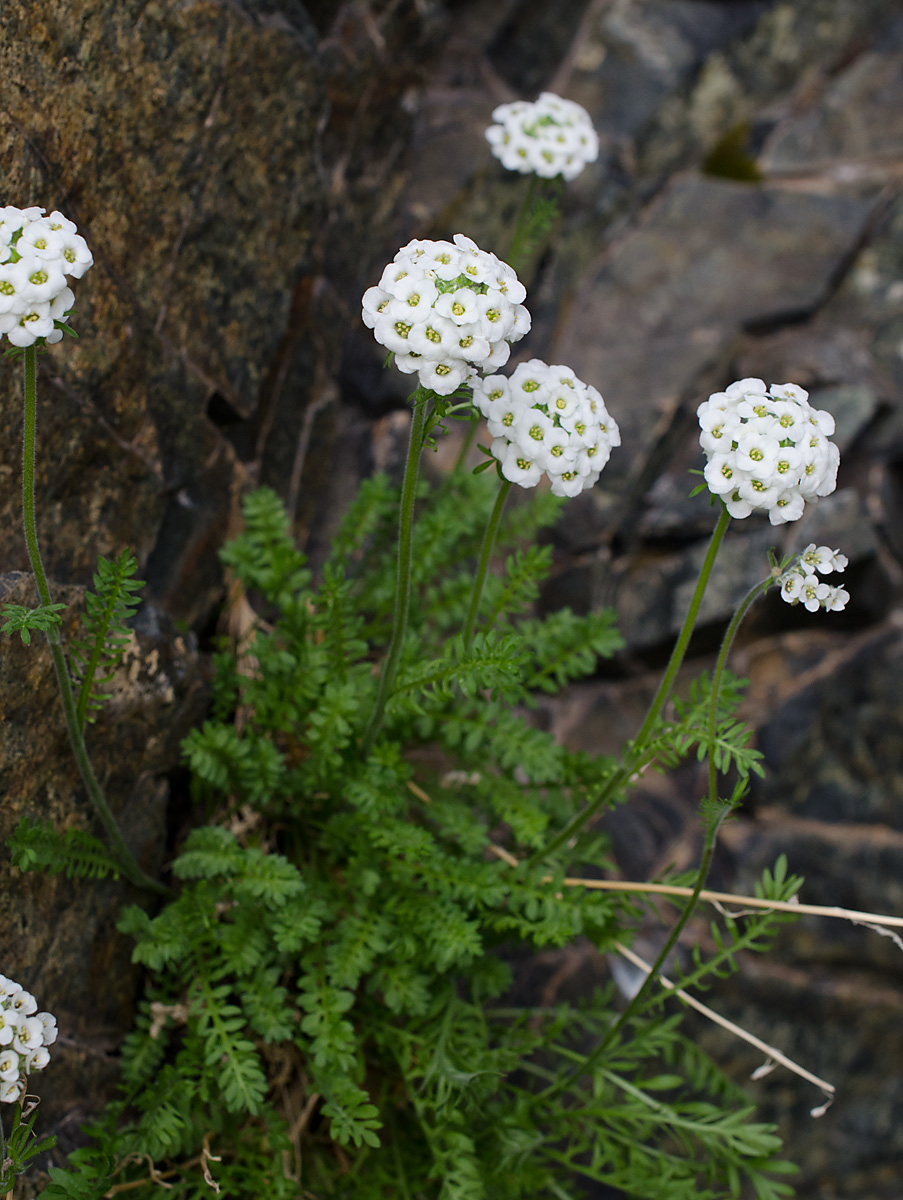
[421,401]
[485,554]
[634,758]
[129,867]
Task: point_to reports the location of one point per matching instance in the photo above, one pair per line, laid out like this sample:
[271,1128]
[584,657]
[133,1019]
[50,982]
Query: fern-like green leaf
[75,853]
[97,650]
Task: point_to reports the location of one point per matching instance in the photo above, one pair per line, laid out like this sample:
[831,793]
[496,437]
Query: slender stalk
[485,554]
[467,443]
[717,810]
[522,224]
[129,867]
[420,399]
[634,757]
[637,1002]
[724,650]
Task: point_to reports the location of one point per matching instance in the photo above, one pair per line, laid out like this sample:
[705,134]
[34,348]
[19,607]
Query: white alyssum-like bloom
[36,254]
[544,420]
[548,137]
[25,1033]
[446,311]
[801,585]
[767,449]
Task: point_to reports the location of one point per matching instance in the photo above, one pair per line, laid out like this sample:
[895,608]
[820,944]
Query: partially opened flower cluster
[547,137]
[545,420]
[800,583]
[25,1035]
[36,255]
[767,449]
[446,311]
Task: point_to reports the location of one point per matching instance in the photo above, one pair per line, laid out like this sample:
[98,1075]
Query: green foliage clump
[330,1010]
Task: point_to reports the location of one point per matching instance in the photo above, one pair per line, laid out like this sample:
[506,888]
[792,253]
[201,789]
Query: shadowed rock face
[242,172]
[221,160]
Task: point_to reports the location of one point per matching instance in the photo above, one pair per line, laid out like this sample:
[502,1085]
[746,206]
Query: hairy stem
[420,400]
[634,756]
[485,554]
[129,867]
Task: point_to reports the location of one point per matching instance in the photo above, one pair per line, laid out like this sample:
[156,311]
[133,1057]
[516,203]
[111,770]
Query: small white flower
[515,463]
[48,1024]
[531,436]
[791,582]
[375,302]
[11,1091]
[36,322]
[813,592]
[836,599]
[29,1035]
[787,507]
[722,473]
[819,558]
[9,1065]
[24,1036]
[36,255]
[47,243]
[444,378]
[801,585]
[448,311]
[37,1060]
[548,137]
[9,1023]
[24,1003]
[767,450]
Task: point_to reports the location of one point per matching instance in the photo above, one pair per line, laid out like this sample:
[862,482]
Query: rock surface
[242,172]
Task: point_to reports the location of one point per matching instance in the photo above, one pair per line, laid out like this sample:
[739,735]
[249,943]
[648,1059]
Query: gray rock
[832,751]
[858,121]
[712,257]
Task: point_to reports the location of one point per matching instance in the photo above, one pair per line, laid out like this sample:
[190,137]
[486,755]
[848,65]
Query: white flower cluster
[767,449]
[801,585]
[25,1035]
[547,137]
[544,419]
[36,255]
[446,311]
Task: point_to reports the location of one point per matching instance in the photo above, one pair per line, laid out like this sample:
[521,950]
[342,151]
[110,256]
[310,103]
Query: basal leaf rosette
[447,311]
[37,253]
[767,449]
[544,420]
[25,1035]
[546,137]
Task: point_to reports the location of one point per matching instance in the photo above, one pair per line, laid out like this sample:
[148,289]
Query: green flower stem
[724,650]
[637,1002]
[634,757]
[485,555]
[467,443]
[522,225]
[711,834]
[420,399]
[129,867]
